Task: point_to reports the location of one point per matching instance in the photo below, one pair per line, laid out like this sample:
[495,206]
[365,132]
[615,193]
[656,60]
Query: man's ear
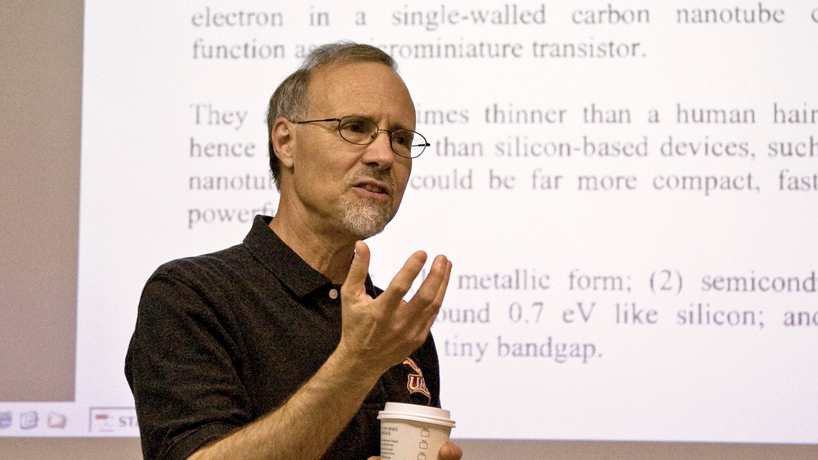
[283,138]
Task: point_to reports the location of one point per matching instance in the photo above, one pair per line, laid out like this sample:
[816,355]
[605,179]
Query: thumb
[356,277]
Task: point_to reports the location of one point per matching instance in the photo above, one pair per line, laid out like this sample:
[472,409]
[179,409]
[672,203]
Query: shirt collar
[283,262]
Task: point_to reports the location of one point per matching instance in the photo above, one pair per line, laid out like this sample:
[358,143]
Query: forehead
[370,89]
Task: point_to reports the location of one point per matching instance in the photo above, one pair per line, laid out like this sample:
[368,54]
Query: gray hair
[290,98]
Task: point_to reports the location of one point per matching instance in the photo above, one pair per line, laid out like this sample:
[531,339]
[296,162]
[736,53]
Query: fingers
[384,329]
[426,302]
[403,280]
[451,451]
[354,283]
[433,288]
[441,267]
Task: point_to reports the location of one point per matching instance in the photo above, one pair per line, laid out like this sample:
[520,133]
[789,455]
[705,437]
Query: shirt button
[333,293]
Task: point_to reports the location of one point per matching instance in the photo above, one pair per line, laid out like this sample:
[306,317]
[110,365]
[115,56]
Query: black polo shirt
[224,338]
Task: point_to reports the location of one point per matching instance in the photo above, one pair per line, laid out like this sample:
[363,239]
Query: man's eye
[402,138]
[357,127]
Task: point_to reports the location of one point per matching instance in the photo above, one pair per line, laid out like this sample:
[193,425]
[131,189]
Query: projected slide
[628,192]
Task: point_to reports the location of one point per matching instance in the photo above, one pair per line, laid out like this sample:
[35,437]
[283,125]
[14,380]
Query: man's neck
[330,254]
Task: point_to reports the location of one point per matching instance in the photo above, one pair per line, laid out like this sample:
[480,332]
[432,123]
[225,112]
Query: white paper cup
[413,432]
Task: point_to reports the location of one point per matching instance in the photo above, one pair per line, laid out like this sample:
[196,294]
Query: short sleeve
[181,371]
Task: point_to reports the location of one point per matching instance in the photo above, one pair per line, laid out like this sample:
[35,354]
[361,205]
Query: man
[281,348]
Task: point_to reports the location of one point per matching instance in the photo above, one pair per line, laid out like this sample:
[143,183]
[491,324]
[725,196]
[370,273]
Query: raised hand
[381,332]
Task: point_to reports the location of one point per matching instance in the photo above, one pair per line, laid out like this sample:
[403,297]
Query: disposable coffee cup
[413,432]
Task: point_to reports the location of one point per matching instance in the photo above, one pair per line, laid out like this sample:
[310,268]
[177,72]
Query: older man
[280,347]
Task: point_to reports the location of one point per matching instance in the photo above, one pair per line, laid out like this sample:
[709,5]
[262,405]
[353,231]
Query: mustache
[375,173]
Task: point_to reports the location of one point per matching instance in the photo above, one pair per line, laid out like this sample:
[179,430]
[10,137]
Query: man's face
[344,187]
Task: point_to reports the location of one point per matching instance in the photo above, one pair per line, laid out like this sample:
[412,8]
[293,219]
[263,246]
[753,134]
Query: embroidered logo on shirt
[415,382]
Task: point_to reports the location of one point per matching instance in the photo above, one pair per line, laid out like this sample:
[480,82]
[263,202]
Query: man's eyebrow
[398,125]
[391,127]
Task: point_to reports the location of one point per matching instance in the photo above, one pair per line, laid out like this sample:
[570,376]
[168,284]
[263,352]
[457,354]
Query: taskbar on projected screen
[66,420]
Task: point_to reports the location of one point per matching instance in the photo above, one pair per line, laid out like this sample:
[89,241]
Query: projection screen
[627,191]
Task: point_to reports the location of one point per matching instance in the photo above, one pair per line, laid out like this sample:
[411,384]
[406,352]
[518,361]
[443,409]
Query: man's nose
[380,151]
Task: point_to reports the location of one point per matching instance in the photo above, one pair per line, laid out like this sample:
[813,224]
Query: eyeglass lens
[360,130]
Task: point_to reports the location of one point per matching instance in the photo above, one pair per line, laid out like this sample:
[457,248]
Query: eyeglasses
[363,131]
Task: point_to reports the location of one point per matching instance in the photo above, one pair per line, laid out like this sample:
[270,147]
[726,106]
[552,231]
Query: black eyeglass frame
[374,135]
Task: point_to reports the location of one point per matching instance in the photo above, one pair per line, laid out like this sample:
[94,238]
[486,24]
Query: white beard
[364,218]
